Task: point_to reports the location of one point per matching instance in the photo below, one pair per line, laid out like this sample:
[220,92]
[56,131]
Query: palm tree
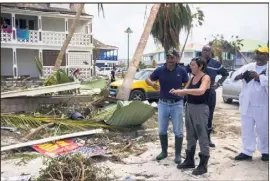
[165,23]
[171,19]
[198,15]
[124,89]
[68,39]
[70,34]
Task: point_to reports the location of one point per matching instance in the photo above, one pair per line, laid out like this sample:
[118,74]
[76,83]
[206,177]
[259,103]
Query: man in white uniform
[253,101]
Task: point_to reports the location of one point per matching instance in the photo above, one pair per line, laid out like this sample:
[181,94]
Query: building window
[6,20]
[22,24]
[31,24]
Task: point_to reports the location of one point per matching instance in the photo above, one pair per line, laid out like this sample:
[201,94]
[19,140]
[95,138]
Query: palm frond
[101,9]
[39,66]
[58,77]
[171,19]
[33,122]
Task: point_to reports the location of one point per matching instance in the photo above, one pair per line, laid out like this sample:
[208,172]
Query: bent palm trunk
[124,89]
[68,39]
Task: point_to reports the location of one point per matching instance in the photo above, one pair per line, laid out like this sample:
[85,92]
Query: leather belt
[170,101]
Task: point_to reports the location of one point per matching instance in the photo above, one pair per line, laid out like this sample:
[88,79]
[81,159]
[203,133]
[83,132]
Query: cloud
[249,21]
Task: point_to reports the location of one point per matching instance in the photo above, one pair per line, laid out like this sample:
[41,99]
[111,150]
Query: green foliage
[142,65]
[132,113]
[219,45]
[26,122]
[170,20]
[58,77]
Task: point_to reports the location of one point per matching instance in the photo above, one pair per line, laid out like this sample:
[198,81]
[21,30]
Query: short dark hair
[200,61]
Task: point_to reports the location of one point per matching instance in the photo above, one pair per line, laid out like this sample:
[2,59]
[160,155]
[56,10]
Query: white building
[191,50]
[39,30]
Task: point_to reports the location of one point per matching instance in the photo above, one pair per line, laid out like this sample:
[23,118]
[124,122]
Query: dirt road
[222,166]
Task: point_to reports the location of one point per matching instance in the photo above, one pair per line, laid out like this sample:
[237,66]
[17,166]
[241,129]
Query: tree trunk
[182,51]
[68,39]
[124,89]
[95,55]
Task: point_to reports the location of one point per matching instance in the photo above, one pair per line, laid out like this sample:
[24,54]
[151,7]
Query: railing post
[39,29]
[15,67]
[14,33]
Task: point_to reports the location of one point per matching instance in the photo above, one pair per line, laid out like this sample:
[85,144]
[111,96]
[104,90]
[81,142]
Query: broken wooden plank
[41,90]
[31,104]
[35,142]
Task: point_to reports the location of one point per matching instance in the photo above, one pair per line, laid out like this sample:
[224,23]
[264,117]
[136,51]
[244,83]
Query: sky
[249,21]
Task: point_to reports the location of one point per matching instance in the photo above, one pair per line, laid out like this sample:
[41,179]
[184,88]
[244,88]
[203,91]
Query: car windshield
[142,75]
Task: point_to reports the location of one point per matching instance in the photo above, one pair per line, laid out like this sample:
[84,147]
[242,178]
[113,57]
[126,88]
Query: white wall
[53,24]
[81,26]
[6,62]
[60,5]
[26,62]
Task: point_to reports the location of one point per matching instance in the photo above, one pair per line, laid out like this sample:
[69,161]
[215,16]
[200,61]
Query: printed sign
[57,148]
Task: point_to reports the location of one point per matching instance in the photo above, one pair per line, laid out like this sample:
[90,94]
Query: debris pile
[74,168]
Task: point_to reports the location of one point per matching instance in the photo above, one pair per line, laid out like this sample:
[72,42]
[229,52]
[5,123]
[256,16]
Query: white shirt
[253,93]
[257,97]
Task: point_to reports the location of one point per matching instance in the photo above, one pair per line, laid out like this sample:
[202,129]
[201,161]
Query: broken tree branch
[36,131]
[127,146]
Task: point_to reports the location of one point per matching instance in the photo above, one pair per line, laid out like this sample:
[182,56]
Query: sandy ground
[227,138]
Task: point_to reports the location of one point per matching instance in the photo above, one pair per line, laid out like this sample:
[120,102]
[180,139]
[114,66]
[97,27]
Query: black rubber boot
[265,157]
[178,148]
[211,144]
[202,167]
[164,147]
[242,157]
[189,161]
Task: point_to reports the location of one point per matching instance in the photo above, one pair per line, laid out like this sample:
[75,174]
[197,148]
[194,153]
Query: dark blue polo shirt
[213,69]
[169,80]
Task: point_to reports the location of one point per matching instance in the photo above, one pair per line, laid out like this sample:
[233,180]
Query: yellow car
[139,89]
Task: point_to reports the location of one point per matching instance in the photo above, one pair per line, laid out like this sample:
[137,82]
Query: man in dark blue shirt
[170,76]
[213,69]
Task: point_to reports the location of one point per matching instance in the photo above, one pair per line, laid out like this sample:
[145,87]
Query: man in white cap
[253,101]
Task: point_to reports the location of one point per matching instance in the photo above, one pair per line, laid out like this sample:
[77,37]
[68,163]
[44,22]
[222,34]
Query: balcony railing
[47,38]
[84,72]
[102,57]
[6,37]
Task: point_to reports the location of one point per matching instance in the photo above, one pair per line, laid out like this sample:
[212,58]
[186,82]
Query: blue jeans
[173,112]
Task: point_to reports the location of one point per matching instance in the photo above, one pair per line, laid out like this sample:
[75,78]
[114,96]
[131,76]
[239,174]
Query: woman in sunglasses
[197,113]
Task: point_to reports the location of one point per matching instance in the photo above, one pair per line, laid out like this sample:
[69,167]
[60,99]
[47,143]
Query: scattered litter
[17,178]
[76,116]
[154,104]
[58,148]
[90,151]
[11,129]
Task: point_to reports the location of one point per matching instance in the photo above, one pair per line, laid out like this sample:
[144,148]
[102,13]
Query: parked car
[105,71]
[139,89]
[231,89]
